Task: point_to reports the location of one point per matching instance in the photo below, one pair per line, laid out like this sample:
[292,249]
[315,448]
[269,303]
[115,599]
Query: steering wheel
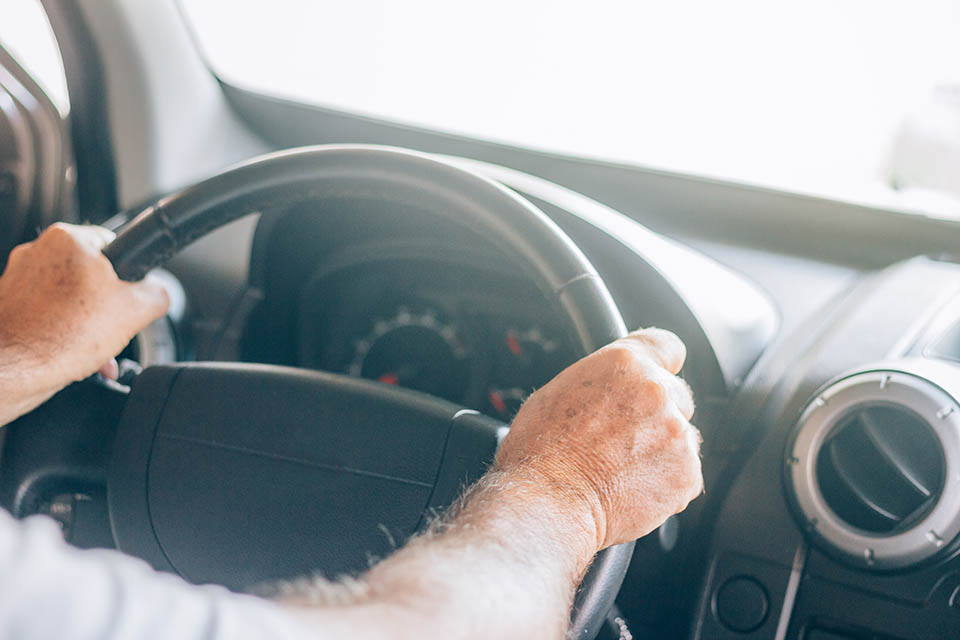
[237,473]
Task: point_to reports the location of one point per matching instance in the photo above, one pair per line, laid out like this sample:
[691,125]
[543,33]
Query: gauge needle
[514,345]
[403,376]
[389,378]
[496,400]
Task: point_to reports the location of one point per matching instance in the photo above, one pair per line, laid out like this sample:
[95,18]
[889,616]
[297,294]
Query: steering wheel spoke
[219,461]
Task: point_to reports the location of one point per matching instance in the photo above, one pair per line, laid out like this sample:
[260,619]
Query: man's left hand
[64,313]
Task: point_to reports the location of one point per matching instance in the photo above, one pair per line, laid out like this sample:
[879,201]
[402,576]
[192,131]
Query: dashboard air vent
[881,470]
[873,466]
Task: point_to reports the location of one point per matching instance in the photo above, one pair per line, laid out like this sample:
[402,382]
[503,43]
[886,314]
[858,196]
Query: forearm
[22,381]
[505,564]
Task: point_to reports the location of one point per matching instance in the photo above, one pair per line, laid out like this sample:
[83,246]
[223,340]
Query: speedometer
[416,349]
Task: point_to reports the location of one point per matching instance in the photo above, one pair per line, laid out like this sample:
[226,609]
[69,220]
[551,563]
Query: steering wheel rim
[554,263]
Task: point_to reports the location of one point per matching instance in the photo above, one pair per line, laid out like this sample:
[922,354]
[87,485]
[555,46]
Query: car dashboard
[827,392]
[823,337]
[436,308]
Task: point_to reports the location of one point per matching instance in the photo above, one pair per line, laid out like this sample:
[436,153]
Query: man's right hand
[612,431]
[602,454]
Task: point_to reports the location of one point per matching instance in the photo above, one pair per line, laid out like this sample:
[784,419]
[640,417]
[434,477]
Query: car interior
[360,306]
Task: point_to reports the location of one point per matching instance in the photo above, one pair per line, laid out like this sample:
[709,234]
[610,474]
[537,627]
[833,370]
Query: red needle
[514,345]
[389,378]
[497,401]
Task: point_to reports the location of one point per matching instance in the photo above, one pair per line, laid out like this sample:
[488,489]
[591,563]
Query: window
[26,35]
[805,96]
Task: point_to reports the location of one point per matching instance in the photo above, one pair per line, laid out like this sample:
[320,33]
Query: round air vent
[873,467]
[882,469]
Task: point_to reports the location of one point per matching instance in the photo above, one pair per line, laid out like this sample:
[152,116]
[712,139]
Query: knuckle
[698,485]
[654,395]
[693,464]
[682,396]
[620,355]
[693,469]
[18,252]
[58,235]
[97,272]
[56,230]
[687,481]
[673,425]
[694,487]
[662,345]
[662,337]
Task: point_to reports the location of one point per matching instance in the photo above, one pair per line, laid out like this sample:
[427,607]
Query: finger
[680,427]
[663,346]
[95,237]
[110,370]
[18,252]
[92,237]
[149,298]
[694,440]
[681,395]
[103,236]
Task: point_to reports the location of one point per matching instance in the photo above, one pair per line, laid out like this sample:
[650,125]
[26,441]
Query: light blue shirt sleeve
[49,589]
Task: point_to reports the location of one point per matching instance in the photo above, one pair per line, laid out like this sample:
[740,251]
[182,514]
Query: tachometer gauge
[530,345]
[533,355]
[413,349]
[526,359]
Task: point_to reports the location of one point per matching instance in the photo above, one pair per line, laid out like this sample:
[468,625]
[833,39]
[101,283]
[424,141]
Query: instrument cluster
[475,346]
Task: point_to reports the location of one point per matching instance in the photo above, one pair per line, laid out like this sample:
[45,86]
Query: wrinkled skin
[613,429]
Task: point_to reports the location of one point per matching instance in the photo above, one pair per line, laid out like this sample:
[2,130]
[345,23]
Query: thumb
[149,298]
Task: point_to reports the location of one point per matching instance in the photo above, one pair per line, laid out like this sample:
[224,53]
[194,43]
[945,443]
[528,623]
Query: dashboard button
[741,604]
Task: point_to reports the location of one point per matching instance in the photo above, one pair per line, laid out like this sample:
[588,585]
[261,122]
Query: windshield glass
[26,35]
[826,97]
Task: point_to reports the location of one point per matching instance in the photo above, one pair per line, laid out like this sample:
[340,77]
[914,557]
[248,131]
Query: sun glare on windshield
[810,96]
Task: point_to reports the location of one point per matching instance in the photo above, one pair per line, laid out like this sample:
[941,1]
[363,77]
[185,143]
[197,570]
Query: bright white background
[808,96]
[26,34]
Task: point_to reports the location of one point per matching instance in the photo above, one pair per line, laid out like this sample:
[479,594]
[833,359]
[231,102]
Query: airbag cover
[257,473]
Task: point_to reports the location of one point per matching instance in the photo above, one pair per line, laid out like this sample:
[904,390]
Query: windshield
[814,97]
